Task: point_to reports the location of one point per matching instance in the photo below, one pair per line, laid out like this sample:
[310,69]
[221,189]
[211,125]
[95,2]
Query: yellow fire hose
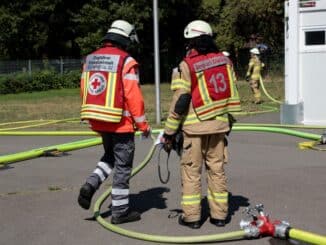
[235,235]
[266,93]
[308,237]
[31,123]
[95,141]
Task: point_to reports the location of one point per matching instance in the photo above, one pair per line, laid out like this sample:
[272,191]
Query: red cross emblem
[95,83]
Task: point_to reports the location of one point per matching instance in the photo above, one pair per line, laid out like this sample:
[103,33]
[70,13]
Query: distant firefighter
[253,74]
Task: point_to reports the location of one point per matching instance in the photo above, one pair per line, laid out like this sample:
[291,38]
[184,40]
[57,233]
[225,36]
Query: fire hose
[259,226]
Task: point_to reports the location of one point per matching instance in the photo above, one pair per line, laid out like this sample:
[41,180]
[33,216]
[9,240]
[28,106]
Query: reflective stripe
[102,109]
[113,119]
[218,103]
[191,196]
[231,77]
[191,199]
[140,119]
[101,113]
[105,167]
[172,123]
[120,202]
[86,78]
[99,173]
[209,111]
[190,202]
[215,199]
[192,118]
[131,76]
[180,84]
[221,197]
[112,82]
[126,114]
[203,88]
[120,191]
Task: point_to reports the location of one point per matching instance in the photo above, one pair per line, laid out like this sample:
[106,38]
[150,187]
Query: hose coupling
[244,224]
[323,138]
[282,230]
[251,231]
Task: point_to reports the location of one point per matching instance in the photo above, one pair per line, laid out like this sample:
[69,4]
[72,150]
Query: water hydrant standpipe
[261,226]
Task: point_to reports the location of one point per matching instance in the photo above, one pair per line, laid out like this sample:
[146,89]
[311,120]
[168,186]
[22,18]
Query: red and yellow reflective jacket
[213,88]
[111,97]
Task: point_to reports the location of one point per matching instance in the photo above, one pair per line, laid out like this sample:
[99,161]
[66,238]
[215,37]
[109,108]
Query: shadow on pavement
[149,199]
[143,201]
[5,167]
[235,203]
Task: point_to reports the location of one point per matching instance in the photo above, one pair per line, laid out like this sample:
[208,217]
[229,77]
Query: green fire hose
[307,236]
[95,141]
[227,236]
[158,238]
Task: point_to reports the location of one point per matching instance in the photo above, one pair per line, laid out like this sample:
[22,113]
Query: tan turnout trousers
[255,88]
[209,150]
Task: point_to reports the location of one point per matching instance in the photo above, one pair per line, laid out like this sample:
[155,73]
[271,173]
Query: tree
[52,28]
[40,28]
[239,19]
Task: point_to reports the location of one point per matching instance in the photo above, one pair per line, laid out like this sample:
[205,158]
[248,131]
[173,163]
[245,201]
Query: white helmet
[226,53]
[197,28]
[122,28]
[254,51]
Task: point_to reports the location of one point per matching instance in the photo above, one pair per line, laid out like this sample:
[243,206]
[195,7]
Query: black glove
[173,142]
[167,142]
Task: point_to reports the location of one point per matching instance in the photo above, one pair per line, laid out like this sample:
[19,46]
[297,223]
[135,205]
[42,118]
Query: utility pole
[156,61]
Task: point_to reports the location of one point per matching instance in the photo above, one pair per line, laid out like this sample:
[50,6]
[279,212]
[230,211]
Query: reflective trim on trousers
[116,191]
[221,197]
[120,202]
[191,199]
[104,166]
[100,174]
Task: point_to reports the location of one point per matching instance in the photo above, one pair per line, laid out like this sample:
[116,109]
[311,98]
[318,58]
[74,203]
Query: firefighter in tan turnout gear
[204,95]
[253,74]
[113,104]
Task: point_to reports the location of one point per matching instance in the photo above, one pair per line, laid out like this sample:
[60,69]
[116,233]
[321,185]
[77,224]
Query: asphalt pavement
[38,197]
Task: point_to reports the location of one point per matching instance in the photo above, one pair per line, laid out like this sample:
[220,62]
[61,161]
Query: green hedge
[38,81]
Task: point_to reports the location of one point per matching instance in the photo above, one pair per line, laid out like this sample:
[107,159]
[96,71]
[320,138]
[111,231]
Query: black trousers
[119,150]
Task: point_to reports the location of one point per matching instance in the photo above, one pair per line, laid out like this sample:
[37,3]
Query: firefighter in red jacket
[113,104]
[204,95]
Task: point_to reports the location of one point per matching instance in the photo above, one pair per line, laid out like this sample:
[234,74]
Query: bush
[71,79]
[38,81]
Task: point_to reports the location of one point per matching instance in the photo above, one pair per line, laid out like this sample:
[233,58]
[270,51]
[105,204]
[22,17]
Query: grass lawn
[65,103]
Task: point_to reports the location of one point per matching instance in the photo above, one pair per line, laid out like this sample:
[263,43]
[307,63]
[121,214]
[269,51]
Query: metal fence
[274,64]
[61,65]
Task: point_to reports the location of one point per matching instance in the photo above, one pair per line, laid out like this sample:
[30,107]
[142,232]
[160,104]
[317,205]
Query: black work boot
[192,225]
[217,222]
[130,216]
[85,195]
